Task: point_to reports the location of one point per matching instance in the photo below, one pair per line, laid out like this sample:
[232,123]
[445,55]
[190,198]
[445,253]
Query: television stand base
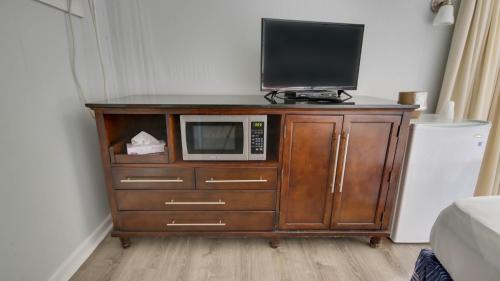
[314,96]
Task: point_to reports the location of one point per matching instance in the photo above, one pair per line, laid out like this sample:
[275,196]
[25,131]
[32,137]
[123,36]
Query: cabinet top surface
[235,101]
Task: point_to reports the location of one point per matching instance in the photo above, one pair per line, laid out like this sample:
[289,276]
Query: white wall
[52,194]
[192,46]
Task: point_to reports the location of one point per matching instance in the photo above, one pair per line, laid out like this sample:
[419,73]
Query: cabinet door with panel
[310,151]
[367,152]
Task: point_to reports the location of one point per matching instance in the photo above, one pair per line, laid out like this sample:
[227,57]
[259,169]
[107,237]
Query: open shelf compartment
[121,128]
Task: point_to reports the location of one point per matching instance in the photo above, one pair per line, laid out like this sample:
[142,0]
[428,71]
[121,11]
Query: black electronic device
[314,97]
[304,58]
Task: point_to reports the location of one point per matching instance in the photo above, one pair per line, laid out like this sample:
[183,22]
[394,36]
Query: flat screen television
[302,55]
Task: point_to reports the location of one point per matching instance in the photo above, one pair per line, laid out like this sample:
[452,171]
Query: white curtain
[471,79]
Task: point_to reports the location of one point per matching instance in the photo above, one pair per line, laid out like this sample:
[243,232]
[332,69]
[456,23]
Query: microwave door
[215,140]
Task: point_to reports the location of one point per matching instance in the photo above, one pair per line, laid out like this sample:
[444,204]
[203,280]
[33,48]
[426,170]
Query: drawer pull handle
[172,202]
[343,164]
[137,180]
[336,163]
[173,223]
[212,180]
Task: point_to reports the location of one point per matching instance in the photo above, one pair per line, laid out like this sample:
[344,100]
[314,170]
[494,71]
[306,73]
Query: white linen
[466,239]
[144,138]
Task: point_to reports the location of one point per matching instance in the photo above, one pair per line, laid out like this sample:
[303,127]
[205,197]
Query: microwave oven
[223,137]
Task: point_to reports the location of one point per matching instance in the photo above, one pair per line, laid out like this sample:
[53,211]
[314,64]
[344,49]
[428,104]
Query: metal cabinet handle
[212,180]
[172,202]
[336,162]
[173,223]
[137,180]
[343,164]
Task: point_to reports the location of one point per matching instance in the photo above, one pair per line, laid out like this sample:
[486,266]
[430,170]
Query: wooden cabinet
[336,171]
[310,151]
[368,146]
[331,170]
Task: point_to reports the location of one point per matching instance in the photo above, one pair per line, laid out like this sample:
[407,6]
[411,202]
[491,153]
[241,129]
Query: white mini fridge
[442,165]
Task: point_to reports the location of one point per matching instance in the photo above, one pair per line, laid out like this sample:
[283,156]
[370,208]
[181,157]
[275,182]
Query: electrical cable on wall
[72,57]
[98,42]
[72,52]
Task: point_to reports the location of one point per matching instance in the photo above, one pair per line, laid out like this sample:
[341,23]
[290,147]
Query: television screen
[299,55]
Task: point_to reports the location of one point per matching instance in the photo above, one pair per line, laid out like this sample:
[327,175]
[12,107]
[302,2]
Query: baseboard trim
[73,262]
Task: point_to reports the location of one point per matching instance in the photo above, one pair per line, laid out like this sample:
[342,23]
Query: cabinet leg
[375,241]
[274,242]
[125,241]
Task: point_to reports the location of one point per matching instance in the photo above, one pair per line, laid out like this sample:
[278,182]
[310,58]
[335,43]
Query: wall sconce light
[444,10]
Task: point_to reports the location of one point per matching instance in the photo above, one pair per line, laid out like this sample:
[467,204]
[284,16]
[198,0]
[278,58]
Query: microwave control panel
[257,137]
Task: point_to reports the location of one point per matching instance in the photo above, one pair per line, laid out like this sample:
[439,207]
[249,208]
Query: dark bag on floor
[428,268]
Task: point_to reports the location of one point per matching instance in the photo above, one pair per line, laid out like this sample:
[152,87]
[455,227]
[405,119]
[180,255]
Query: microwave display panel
[214,137]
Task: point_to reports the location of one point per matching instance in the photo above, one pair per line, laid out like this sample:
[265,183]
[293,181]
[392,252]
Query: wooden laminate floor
[196,258]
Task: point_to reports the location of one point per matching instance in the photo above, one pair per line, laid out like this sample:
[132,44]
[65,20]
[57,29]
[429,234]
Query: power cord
[98,43]
[72,53]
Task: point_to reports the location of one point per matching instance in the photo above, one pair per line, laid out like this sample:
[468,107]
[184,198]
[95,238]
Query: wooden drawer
[158,200]
[196,221]
[153,178]
[236,178]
